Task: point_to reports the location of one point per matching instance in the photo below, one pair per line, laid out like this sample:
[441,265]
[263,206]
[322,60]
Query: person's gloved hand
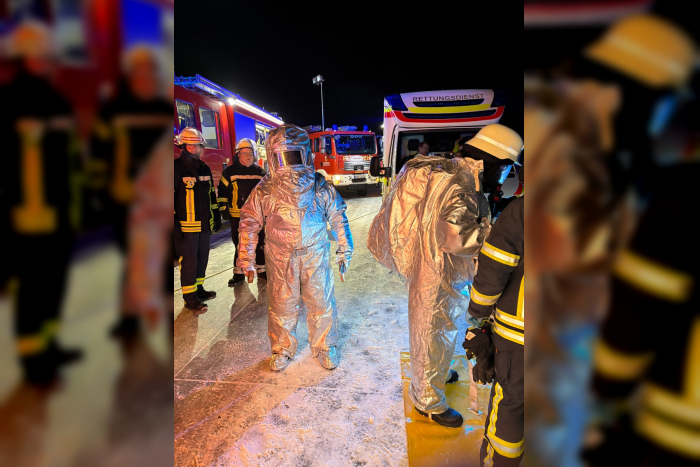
[478,343]
[343,265]
[217,224]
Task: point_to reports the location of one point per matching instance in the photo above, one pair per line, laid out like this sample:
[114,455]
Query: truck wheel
[362,191]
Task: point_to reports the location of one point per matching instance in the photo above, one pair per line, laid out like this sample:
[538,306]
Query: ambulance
[443,119]
[343,154]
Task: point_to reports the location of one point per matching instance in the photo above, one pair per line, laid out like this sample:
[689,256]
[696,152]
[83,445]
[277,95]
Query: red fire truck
[342,155]
[223,118]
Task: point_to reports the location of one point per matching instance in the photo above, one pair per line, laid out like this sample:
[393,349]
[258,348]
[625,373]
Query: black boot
[454,377]
[450,418]
[42,369]
[195,306]
[203,295]
[236,279]
[262,275]
[61,357]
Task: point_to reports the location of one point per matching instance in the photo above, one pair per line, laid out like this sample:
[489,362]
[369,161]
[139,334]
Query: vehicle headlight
[336,178]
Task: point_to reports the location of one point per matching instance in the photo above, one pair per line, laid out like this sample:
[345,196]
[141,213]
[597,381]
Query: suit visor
[286,158]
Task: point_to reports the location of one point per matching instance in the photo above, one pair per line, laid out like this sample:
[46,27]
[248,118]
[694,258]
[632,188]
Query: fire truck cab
[343,154]
[443,119]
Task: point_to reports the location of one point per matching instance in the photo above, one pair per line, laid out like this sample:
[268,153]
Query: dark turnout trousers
[193,249]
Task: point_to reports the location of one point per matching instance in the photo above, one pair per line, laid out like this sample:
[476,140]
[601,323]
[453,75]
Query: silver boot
[279,362]
[328,358]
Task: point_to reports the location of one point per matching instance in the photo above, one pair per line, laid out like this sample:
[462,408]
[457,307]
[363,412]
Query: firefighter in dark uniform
[499,342]
[124,134]
[196,217]
[235,185]
[37,202]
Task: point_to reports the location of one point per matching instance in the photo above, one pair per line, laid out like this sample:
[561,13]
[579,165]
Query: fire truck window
[316,144]
[354,144]
[185,115]
[210,127]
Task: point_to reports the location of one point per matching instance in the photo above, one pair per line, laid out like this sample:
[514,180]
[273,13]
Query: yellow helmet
[499,141]
[190,136]
[648,49]
[247,143]
[31,39]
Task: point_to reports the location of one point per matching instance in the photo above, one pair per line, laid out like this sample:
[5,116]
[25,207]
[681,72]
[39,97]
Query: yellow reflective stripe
[673,437]
[481,299]
[508,334]
[521,300]
[189,203]
[223,179]
[191,229]
[214,206]
[653,278]
[510,319]
[211,206]
[246,177]
[504,448]
[180,263]
[36,343]
[673,406]
[199,281]
[236,213]
[189,289]
[499,255]
[488,462]
[222,208]
[222,200]
[234,197]
[190,224]
[617,365]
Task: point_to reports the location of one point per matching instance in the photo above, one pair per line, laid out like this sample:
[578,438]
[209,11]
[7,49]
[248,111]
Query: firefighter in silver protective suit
[293,204]
[430,230]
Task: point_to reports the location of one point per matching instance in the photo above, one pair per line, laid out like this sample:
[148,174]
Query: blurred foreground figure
[196,217]
[498,291]
[591,171]
[35,200]
[125,134]
[429,230]
[293,204]
[236,183]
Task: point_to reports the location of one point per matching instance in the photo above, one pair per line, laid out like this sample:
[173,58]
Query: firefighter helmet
[246,143]
[190,136]
[31,39]
[648,49]
[499,141]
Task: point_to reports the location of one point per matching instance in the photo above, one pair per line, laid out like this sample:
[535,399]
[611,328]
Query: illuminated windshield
[354,144]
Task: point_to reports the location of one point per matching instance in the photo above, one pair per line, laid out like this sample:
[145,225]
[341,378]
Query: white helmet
[247,143]
[499,141]
[190,136]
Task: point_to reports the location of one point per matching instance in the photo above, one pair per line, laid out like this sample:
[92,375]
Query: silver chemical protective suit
[293,204]
[429,230]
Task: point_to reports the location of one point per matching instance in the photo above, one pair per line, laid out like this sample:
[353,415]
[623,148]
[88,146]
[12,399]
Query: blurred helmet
[648,49]
[287,146]
[247,143]
[138,55]
[31,39]
[499,141]
[190,136]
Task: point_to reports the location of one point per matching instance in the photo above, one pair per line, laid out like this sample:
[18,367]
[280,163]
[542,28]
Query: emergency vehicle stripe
[670,405]
[189,203]
[481,299]
[189,289]
[223,179]
[653,278]
[617,365]
[670,435]
[499,255]
[508,334]
[200,281]
[504,448]
[510,319]
[246,177]
[520,313]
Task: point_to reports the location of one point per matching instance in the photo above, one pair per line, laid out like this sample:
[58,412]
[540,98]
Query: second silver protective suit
[430,229]
[293,204]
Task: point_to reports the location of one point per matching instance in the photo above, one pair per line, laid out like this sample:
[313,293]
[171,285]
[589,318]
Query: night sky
[268,52]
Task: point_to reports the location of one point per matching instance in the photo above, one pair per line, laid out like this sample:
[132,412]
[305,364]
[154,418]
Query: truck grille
[356,165]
